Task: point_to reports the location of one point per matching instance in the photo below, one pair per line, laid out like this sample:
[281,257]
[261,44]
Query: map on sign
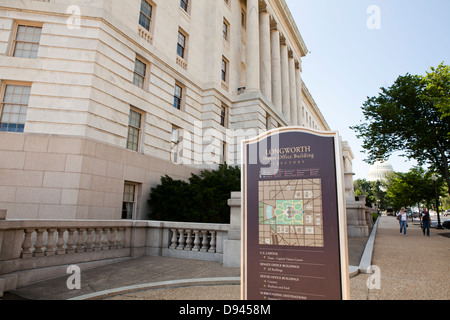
[290,213]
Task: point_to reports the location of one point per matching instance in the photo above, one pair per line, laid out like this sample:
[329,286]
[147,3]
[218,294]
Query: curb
[365,265]
[160,285]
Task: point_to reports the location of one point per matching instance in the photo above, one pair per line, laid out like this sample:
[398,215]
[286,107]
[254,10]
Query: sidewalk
[414,267]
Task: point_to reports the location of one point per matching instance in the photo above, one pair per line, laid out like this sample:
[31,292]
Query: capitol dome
[379,170]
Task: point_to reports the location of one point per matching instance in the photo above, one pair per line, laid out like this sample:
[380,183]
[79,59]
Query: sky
[358,46]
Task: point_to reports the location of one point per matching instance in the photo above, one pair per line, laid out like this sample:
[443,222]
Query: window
[140,71]
[134,130]
[176,145]
[224,152]
[268,121]
[129,201]
[226,27]
[26,42]
[145,17]
[184,4]
[223,116]
[224,70]
[178,97]
[181,45]
[14,107]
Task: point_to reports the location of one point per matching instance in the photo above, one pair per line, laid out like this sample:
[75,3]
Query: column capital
[283,41]
[273,24]
[263,6]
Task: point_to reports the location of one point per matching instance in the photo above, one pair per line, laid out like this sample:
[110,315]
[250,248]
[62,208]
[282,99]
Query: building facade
[99,99]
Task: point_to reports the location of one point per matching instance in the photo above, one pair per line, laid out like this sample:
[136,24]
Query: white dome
[379,170]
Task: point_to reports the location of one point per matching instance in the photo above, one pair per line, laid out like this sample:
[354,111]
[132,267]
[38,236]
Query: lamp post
[434,177]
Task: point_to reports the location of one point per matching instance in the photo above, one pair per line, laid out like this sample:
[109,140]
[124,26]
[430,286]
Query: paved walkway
[412,267]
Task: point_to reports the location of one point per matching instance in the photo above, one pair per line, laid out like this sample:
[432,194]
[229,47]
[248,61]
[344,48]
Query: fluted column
[285,80]
[265,59]
[298,83]
[276,69]
[236,42]
[253,72]
[292,90]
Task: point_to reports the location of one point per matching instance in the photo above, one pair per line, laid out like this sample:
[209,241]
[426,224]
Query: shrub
[203,199]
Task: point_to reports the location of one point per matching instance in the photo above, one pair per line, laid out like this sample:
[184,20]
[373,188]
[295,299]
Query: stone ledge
[160,285]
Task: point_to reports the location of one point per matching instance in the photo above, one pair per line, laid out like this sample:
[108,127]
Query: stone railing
[187,240]
[35,250]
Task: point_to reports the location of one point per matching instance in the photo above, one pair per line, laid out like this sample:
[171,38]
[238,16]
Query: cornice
[293,28]
[314,105]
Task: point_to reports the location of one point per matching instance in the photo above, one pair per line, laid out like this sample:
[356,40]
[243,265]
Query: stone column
[285,80]
[292,90]
[253,72]
[276,69]
[265,59]
[298,83]
[236,41]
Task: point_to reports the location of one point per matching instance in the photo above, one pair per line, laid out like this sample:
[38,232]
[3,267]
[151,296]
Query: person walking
[426,221]
[402,217]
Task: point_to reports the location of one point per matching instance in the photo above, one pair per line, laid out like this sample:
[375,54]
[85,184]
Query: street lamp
[434,177]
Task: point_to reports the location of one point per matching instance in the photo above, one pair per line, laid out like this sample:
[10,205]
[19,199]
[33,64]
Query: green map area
[290,213]
[287,212]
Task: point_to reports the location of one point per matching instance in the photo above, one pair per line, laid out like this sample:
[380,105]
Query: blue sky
[349,62]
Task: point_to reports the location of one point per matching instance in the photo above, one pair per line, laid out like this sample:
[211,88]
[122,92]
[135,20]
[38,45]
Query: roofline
[293,28]
[313,103]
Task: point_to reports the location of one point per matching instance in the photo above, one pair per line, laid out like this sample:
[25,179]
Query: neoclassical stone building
[99,99]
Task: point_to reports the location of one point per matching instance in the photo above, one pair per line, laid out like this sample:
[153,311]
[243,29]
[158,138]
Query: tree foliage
[412,188]
[374,192]
[410,116]
[203,199]
[438,88]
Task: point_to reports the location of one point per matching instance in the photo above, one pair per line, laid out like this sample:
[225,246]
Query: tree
[438,88]
[374,192]
[412,188]
[203,199]
[407,117]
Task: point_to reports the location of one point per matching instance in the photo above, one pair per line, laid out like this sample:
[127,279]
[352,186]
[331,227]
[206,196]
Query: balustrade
[203,240]
[61,241]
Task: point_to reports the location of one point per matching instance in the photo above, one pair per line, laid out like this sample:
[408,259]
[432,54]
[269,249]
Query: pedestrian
[426,221]
[402,217]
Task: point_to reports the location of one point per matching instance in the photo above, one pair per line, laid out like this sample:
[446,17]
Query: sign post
[294,241]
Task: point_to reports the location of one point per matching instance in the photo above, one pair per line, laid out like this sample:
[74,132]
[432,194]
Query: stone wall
[62,177]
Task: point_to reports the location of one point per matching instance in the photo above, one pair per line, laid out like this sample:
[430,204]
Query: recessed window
[129,201]
[224,153]
[14,107]
[145,16]
[181,45]
[176,147]
[140,71]
[184,4]
[26,42]
[224,116]
[178,97]
[224,70]
[226,30]
[134,130]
